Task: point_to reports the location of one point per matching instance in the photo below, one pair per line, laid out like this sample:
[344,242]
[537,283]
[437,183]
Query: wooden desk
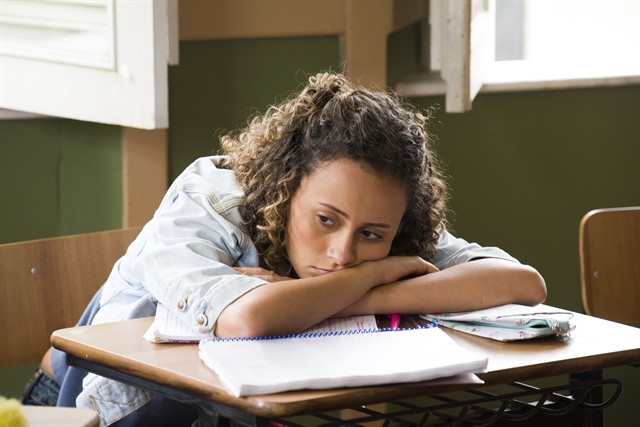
[41,416]
[118,351]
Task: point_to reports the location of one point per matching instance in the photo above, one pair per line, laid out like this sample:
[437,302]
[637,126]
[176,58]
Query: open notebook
[249,366]
[168,328]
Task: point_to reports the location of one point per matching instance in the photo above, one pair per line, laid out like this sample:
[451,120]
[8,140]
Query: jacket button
[182,304]
[201,319]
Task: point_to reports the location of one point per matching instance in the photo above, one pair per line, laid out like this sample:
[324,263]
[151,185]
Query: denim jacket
[183,258]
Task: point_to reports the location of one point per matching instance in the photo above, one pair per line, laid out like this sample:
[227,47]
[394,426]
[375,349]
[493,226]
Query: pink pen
[395,321]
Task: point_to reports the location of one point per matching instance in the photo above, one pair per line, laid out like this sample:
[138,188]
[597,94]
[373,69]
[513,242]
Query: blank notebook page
[263,366]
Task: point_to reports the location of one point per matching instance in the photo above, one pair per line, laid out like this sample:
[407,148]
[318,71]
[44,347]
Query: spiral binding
[322,334]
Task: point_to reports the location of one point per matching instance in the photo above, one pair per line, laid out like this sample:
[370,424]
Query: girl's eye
[369,235]
[324,220]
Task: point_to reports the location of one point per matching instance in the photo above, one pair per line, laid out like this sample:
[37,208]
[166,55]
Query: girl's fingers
[430,268]
[261,273]
[250,271]
[398,267]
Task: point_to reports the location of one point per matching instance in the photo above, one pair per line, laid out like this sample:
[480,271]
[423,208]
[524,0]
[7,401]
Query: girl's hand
[261,273]
[393,268]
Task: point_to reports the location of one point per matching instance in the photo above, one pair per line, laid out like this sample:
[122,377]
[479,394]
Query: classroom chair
[610,264]
[46,285]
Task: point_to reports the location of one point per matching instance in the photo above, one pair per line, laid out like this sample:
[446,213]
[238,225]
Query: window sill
[523,76]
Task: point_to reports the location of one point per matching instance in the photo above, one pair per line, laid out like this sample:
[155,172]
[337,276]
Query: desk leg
[591,417]
[211,418]
[595,418]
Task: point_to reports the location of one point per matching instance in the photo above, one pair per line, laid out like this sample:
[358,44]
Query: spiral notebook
[168,328]
[250,366]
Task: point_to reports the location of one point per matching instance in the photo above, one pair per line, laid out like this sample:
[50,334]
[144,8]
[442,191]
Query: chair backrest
[46,285]
[610,263]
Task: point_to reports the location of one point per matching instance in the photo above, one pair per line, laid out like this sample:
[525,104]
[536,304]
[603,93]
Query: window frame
[133,93]
[503,76]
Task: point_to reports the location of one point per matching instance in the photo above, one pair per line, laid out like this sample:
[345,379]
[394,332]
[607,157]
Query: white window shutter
[462,47]
[118,77]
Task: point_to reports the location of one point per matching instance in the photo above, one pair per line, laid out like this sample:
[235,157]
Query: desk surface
[595,344]
[41,416]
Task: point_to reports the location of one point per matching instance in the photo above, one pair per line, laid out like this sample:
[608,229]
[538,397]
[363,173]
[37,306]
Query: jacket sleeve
[188,254]
[183,258]
[453,251]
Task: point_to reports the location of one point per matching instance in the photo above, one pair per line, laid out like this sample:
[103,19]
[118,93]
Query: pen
[395,321]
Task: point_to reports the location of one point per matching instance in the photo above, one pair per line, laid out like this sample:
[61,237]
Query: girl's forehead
[347,172]
[344,164]
[345,184]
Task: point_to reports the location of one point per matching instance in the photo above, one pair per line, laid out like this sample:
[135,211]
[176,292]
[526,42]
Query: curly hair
[333,118]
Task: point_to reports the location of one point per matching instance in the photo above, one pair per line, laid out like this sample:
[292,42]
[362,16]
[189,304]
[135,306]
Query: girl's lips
[323,271]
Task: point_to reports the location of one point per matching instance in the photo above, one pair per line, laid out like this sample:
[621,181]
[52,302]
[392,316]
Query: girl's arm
[473,285]
[290,306]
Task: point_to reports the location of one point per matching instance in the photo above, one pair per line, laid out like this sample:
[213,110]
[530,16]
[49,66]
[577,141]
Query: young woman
[330,204]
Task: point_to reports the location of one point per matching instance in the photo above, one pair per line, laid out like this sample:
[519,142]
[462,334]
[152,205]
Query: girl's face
[342,215]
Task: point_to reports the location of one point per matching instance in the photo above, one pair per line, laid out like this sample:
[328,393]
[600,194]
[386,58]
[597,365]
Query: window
[538,45]
[79,33]
[100,61]
[564,43]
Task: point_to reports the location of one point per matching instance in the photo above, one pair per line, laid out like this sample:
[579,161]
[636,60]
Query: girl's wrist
[371,273]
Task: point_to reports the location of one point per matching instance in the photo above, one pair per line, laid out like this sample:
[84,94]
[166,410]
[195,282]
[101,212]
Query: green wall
[524,167]
[58,177]
[220,84]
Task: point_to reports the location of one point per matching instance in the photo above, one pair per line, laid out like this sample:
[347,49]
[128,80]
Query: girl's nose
[341,249]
